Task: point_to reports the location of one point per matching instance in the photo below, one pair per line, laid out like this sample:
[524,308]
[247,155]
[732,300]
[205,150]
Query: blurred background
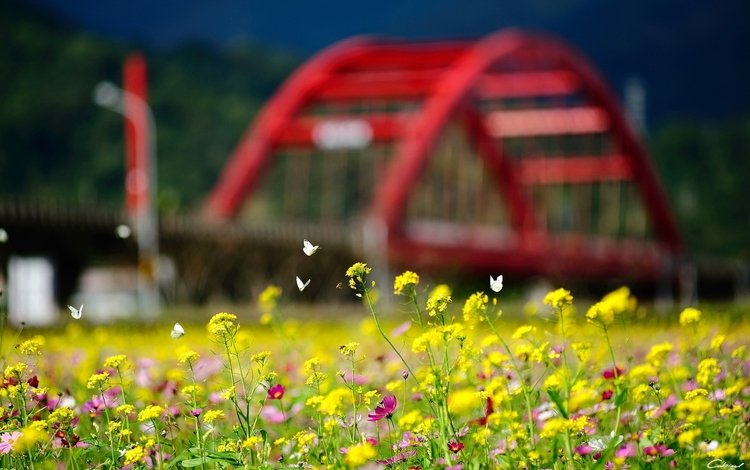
[213,65]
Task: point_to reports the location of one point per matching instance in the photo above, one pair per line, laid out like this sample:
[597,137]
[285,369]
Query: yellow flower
[228,445]
[261,357]
[717,342]
[658,353]
[135,455]
[690,316]
[212,415]
[475,308]
[357,274]
[707,370]
[481,435]
[523,331]
[251,442]
[333,401]
[15,370]
[558,298]
[601,312]
[349,349]
[188,357]
[359,454]
[687,437]
[410,419]
[582,350]
[115,362]
[98,381]
[304,439]
[61,415]
[269,298]
[30,348]
[150,412]
[438,300]
[125,409]
[405,283]
[222,325]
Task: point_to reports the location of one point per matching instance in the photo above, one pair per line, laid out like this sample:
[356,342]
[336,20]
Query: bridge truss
[507,154]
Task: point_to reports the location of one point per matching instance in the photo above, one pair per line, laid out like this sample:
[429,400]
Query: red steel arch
[533,64]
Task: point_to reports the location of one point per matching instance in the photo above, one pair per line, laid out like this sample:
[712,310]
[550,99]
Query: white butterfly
[177,331]
[309,248]
[301,285]
[496,284]
[76,312]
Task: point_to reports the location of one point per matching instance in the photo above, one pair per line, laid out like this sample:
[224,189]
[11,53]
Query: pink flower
[276,392]
[584,449]
[385,409]
[627,450]
[7,441]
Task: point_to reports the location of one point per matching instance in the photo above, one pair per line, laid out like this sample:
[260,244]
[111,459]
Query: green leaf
[189,463]
[554,395]
[622,397]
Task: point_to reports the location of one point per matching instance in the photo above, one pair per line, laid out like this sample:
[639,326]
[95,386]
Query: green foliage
[705,169]
[56,143]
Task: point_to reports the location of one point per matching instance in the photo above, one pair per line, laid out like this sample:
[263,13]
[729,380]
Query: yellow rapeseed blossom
[687,437]
[222,325]
[251,442]
[61,415]
[188,357]
[690,316]
[150,412]
[658,354]
[15,370]
[30,347]
[31,435]
[304,439]
[349,349]
[601,312]
[229,445]
[98,381]
[475,308]
[268,300]
[481,436]
[404,283]
[333,402]
[522,332]
[134,455]
[212,415]
[125,410]
[359,454]
[438,300]
[430,338]
[708,369]
[717,341]
[357,274]
[115,362]
[558,298]
[410,419]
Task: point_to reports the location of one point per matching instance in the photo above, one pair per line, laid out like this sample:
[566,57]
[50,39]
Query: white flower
[309,248]
[496,284]
[301,285]
[76,312]
[177,331]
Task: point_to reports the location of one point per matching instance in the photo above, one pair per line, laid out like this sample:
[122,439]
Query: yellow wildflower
[150,412]
[98,381]
[558,298]
[687,437]
[658,354]
[211,415]
[30,348]
[359,454]
[405,283]
[349,349]
[188,357]
[125,409]
[463,400]
[135,455]
[475,308]
[690,316]
[438,300]
[115,362]
[582,350]
[269,298]
[708,369]
[523,331]
[222,325]
[357,274]
[251,442]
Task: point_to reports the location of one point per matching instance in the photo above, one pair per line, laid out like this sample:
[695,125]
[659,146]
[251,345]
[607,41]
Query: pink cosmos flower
[385,409]
[276,392]
[613,372]
[7,441]
[627,450]
[584,449]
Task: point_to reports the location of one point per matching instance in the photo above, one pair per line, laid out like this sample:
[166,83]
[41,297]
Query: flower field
[450,383]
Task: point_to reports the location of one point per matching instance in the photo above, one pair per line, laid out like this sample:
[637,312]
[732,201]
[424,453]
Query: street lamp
[139,179]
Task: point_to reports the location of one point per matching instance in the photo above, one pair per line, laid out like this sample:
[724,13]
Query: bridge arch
[508,90]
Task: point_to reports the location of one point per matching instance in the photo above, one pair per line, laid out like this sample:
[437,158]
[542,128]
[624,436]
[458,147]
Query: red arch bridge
[504,155]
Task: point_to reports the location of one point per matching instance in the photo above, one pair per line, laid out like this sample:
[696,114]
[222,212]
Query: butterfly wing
[309,248]
[301,285]
[177,331]
[76,312]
